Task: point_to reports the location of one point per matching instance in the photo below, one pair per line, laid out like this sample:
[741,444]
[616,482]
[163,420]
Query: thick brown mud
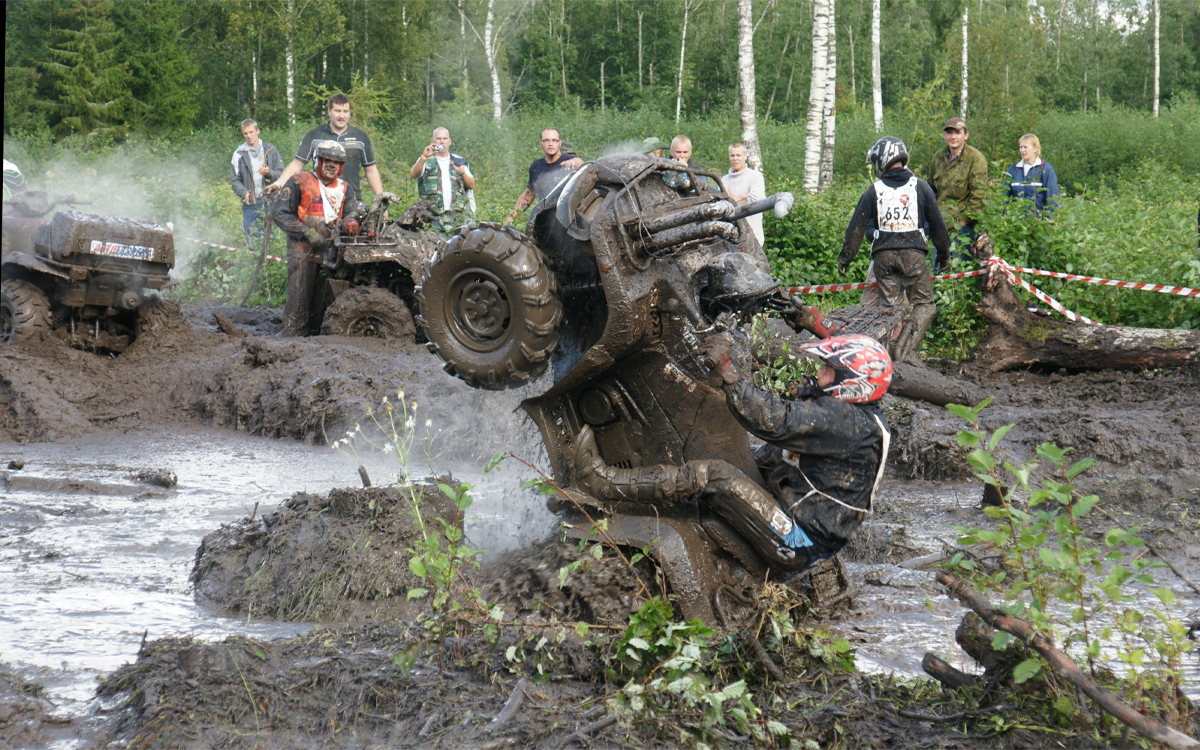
[352,684]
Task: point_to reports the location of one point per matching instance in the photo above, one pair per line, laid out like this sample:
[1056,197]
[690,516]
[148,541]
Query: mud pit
[339,687]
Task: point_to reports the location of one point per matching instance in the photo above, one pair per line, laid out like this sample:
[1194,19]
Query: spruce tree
[162,72]
[89,85]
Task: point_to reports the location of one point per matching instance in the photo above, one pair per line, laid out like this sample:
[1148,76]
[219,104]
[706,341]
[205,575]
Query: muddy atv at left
[79,277]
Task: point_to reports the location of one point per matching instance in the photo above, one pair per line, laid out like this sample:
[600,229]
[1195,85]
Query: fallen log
[1144,725]
[1017,337]
[947,674]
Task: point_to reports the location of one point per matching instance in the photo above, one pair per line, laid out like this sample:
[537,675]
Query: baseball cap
[956,123]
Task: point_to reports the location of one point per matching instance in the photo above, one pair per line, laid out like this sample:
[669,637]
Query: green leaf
[777,729]
[448,491]
[968,439]
[981,460]
[1081,508]
[735,690]
[1026,669]
[1079,467]
[1114,537]
[1001,640]
[997,436]
[497,613]
[966,413]
[260,653]
[495,462]
[581,629]
[640,643]
[417,593]
[417,567]
[511,653]
[1165,595]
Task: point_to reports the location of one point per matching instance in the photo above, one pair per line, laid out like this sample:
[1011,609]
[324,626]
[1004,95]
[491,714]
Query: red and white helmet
[862,365]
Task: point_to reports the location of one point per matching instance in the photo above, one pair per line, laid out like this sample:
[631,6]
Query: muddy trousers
[301,316]
[904,282]
[747,507]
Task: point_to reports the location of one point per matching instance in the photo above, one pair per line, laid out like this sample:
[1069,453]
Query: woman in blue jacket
[1032,178]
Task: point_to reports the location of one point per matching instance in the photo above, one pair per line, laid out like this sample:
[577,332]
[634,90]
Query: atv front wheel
[490,307]
[368,312]
[24,312]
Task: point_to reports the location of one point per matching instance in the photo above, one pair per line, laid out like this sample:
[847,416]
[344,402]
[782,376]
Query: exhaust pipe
[781,202]
[688,233]
[704,212]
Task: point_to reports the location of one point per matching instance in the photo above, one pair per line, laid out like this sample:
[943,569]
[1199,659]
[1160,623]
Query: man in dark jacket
[255,164]
[901,213]
[822,461]
[309,208]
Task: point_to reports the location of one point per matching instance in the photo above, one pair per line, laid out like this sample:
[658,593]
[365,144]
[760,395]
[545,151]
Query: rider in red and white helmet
[825,451]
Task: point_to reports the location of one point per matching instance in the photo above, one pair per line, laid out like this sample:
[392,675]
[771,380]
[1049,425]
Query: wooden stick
[604,723]
[1143,725]
[958,715]
[511,706]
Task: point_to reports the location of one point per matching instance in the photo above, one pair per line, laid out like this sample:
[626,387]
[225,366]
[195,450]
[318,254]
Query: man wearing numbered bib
[900,214]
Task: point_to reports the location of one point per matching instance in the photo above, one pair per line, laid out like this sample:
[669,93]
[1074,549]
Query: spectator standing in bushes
[957,174]
[359,151]
[253,164]
[745,185]
[897,210]
[1033,178]
[546,173]
[445,178]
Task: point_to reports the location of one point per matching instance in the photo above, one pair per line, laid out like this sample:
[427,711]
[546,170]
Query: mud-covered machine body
[76,276]
[626,268]
[372,274]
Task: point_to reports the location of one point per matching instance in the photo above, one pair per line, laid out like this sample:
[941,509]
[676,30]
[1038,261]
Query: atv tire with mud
[24,312]
[368,312]
[490,307]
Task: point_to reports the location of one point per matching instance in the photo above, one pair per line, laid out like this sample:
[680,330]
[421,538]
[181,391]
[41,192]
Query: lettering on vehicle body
[117,250]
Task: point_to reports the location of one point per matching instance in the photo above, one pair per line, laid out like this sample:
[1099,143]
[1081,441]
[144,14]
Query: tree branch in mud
[1143,725]
[1018,338]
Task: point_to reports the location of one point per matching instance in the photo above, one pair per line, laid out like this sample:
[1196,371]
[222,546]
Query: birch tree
[876,68]
[963,104]
[816,96]
[289,58]
[1157,16]
[747,102]
[682,50]
[830,113]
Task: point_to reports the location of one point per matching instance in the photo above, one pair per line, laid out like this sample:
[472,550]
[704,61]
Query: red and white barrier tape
[996,263]
[1182,291]
[227,247]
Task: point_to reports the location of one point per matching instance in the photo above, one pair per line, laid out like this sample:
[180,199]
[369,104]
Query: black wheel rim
[478,310]
[368,327]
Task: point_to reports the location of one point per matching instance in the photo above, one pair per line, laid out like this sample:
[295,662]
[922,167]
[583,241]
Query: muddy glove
[843,267]
[805,387]
[718,352]
[811,319]
[350,226]
[315,240]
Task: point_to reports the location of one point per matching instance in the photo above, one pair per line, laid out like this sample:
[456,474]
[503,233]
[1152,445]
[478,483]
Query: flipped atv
[79,277]
[624,270]
[372,275]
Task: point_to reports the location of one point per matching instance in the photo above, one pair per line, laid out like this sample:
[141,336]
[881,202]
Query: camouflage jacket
[429,185]
[959,184]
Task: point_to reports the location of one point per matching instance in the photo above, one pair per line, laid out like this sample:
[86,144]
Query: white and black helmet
[887,151]
[331,151]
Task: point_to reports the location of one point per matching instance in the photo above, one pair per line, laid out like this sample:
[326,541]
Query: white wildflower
[428,423]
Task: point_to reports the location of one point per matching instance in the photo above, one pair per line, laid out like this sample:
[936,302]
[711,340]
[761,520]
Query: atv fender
[34,263]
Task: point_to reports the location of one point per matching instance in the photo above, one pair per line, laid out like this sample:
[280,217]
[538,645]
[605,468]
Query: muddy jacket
[826,445]
[958,184]
[300,206]
[241,173]
[925,216]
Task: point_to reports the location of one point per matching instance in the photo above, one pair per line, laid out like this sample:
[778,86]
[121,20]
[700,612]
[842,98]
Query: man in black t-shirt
[359,151]
[546,173]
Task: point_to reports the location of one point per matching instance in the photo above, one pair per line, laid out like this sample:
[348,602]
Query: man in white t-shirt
[445,178]
[745,185]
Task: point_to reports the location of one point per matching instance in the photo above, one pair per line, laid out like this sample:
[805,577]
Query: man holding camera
[446,180]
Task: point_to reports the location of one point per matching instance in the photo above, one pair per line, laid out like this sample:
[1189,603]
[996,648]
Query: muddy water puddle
[900,614]
[91,558]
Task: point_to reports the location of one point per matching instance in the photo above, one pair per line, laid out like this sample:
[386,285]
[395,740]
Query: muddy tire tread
[30,308]
[353,304]
[524,266]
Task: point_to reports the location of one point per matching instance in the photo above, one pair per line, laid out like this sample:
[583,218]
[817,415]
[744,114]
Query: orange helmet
[862,366]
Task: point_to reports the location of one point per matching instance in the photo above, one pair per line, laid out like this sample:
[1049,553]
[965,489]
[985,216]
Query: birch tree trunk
[640,14]
[747,110]
[963,105]
[489,51]
[462,32]
[290,61]
[602,63]
[876,68]
[682,51]
[1157,16]
[366,42]
[816,97]
[830,113]
[853,65]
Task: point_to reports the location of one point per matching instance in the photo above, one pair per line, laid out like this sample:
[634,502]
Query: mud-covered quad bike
[625,269]
[372,274]
[79,277]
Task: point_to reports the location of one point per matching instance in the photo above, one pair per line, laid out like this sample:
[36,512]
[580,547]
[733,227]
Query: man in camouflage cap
[445,179]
